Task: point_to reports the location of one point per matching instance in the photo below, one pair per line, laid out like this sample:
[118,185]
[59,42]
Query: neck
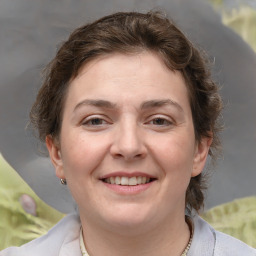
[167,239]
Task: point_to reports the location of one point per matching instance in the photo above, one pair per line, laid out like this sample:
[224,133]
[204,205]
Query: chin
[128,218]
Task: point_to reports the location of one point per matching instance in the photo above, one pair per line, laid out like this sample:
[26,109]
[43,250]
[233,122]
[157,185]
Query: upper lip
[127,174]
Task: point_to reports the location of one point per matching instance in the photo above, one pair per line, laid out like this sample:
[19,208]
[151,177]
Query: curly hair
[131,33]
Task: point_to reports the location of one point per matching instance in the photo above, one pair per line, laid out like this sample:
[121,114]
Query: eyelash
[97,122]
[164,121]
[90,120]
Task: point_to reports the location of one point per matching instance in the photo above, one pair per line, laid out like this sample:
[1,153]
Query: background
[30,31]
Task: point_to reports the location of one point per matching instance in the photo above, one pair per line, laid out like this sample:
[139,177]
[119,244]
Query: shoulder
[228,245]
[63,235]
[209,242]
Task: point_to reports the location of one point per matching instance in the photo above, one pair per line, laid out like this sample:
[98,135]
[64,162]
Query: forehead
[138,57]
[121,76]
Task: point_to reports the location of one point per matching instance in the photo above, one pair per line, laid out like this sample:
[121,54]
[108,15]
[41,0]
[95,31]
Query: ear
[201,153]
[55,155]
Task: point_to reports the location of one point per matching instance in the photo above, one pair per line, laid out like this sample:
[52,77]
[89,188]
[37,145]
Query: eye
[95,122]
[160,121]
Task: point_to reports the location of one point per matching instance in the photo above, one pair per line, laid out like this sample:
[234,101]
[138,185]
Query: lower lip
[128,190]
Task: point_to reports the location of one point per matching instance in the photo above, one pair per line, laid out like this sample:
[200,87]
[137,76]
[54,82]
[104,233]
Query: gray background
[29,33]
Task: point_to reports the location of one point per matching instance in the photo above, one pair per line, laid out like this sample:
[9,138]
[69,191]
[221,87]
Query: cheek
[82,153]
[175,155]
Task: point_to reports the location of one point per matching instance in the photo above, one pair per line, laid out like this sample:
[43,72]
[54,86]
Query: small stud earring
[63,181]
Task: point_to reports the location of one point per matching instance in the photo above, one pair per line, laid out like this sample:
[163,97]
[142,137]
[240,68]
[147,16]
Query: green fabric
[237,218]
[17,226]
[243,22]
[241,19]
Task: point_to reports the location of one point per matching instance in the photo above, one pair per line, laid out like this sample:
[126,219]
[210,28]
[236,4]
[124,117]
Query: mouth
[128,181]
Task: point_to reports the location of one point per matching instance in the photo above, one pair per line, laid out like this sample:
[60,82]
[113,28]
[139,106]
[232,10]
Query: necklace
[188,220]
[191,229]
[188,247]
[82,246]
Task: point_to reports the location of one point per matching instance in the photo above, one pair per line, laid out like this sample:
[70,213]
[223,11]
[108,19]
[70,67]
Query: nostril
[128,157]
[118,155]
[138,155]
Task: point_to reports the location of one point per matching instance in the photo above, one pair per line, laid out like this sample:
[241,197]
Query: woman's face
[127,120]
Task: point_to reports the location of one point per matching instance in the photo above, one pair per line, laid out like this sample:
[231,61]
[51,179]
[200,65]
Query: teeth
[125,181]
[118,180]
[112,180]
[133,181]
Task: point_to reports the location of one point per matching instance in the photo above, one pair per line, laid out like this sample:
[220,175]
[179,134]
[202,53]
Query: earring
[63,181]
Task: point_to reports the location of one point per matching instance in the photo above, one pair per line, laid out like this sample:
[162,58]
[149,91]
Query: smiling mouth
[128,181]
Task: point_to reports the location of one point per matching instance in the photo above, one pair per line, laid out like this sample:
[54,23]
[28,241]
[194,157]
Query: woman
[129,114]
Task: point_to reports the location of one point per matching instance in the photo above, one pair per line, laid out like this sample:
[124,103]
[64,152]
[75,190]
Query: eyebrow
[145,105]
[96,103]
[160,103]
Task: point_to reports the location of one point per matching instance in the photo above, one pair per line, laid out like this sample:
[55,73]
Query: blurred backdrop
[30,31]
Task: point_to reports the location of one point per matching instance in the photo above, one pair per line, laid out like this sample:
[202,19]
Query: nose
[128,142]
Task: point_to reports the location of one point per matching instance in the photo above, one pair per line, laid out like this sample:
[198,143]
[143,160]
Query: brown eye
[94,122]
[160,121]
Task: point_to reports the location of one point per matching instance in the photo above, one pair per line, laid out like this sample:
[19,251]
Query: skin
[131,133]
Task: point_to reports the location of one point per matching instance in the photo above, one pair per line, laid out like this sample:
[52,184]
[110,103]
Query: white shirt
[63,240]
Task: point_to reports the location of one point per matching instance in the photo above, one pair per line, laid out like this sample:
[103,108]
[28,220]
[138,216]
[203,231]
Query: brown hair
[131,33]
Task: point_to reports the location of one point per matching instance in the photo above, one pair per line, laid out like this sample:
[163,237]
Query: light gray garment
[209,242]
[63,240]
